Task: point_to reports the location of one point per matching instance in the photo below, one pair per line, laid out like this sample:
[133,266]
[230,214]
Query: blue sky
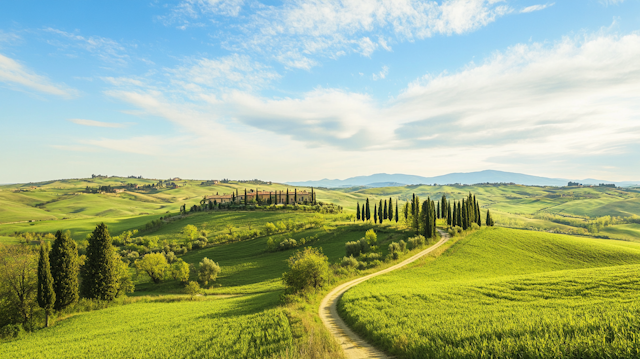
[297,90]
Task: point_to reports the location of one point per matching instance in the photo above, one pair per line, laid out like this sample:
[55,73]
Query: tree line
[422,215]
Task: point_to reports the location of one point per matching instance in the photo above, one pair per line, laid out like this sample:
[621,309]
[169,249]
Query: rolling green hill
[504,293]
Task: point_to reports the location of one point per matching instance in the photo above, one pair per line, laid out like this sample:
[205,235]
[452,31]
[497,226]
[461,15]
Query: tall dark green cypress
[64,270]
[426,221]
[397,214]
[46,293]
[438,214]
[313,201]
[380,212]
[245,196]
[99,273]
[444,207]
[287,198]
[413,205]
[384,210]
[358,211]
[375,214]
[295,195]
[489,220]
[368,210]
[459,214]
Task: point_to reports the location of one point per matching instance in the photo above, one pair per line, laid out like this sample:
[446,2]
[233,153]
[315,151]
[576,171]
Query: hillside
[506,293]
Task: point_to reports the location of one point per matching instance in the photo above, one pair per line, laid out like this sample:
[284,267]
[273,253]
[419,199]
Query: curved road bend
[355,347]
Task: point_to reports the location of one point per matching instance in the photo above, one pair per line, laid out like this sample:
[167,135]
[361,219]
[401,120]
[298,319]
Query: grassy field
[503,293]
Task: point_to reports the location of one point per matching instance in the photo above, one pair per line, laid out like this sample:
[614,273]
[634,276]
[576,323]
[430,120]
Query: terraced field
[504,293]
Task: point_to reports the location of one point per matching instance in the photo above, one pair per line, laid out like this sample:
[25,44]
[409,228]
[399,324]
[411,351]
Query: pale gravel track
[353,346]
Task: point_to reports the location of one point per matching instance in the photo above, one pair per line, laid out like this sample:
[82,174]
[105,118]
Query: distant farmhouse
[277,197]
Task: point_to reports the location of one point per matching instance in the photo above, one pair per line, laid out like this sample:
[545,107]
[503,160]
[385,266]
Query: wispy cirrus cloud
[93,123]
[105,49]
[187,13]
[533,8]
[14,73]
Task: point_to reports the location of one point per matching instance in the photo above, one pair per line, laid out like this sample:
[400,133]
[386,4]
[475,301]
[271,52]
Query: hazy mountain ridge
[491,176]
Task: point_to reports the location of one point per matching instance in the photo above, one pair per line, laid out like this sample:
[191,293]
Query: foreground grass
[505,293]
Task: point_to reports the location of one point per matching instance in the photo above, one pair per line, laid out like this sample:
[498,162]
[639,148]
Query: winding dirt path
[355,347]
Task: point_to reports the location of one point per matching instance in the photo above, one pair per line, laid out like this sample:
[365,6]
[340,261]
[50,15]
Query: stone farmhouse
[280,197]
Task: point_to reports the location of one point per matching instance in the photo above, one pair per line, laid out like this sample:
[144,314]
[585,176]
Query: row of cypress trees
[58,271]
[423,214]
[381,212]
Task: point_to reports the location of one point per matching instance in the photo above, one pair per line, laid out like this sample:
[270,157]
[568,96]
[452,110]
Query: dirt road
[355,347]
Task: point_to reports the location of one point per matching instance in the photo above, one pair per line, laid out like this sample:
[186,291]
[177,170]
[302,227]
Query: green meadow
[502,293]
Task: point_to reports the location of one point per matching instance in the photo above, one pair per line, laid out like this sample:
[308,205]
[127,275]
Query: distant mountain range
[390,180]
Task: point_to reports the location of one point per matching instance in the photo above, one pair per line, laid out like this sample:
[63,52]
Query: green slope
[506,293]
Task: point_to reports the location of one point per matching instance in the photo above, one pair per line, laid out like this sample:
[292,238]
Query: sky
[301,90]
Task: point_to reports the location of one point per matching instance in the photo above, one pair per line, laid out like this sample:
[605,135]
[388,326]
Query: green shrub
[349,262]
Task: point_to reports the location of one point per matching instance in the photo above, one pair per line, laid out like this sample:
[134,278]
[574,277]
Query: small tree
[180,271]
[208,270]
[193,288]
[308,269]
[154,264]
[489,220]
[125,283]
[190,233]
[371,237]
[46,294]
[18,284]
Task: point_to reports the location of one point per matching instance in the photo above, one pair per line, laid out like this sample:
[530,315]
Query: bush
[13,331]
[475,226]
[349,262]
[308,269]
[416,242]
[353,248]
[180,271]
[193,288]
[394,250]
[154,264]
[171,257]
[371,237]
[208,270]
[403,246]
[288,244]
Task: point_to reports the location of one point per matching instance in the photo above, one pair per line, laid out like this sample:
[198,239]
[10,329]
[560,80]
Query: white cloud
[8,37]
[382,74]
[105,49]
[536,8]
[234,71]
[13,72]
[297,31]
[93,123]
[188,10]
[142,145]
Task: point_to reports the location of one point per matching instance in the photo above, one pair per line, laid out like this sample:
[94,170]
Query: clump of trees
[308,270]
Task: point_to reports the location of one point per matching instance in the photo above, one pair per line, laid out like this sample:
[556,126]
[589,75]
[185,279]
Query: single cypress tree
[489,220]
[406,211]
[313,200]
[375,214]
[64,270]
[384,210]
[459,214]
[444,207]
[426,226]
[358,211]
[99,273]
[380,212]
[368,217]
[295,195]
[245,196]
[46,293]
[397,214]
[449,214]
[390,211]
[478,215]
[413,205]
[438,210]
[287,199]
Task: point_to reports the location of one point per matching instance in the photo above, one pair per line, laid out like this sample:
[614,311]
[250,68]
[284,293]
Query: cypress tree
[416,214]
[287,198]
[459,214]
[295,195]
[99,273]
[390,212]
[426,211]
[406,211]
[413,205]
[444,207]
[449,215]
[397,215]
[478,216]
[489,220]
[313,201]
[368,211]
[64,270]
[46,293]
[358,211]
[438,210]
[375,214]
[380,212]
[245,197]
[384,210]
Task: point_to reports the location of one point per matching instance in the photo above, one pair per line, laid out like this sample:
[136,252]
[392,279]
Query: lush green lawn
[506,293]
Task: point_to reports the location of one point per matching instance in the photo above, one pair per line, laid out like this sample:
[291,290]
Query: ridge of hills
[490,176]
